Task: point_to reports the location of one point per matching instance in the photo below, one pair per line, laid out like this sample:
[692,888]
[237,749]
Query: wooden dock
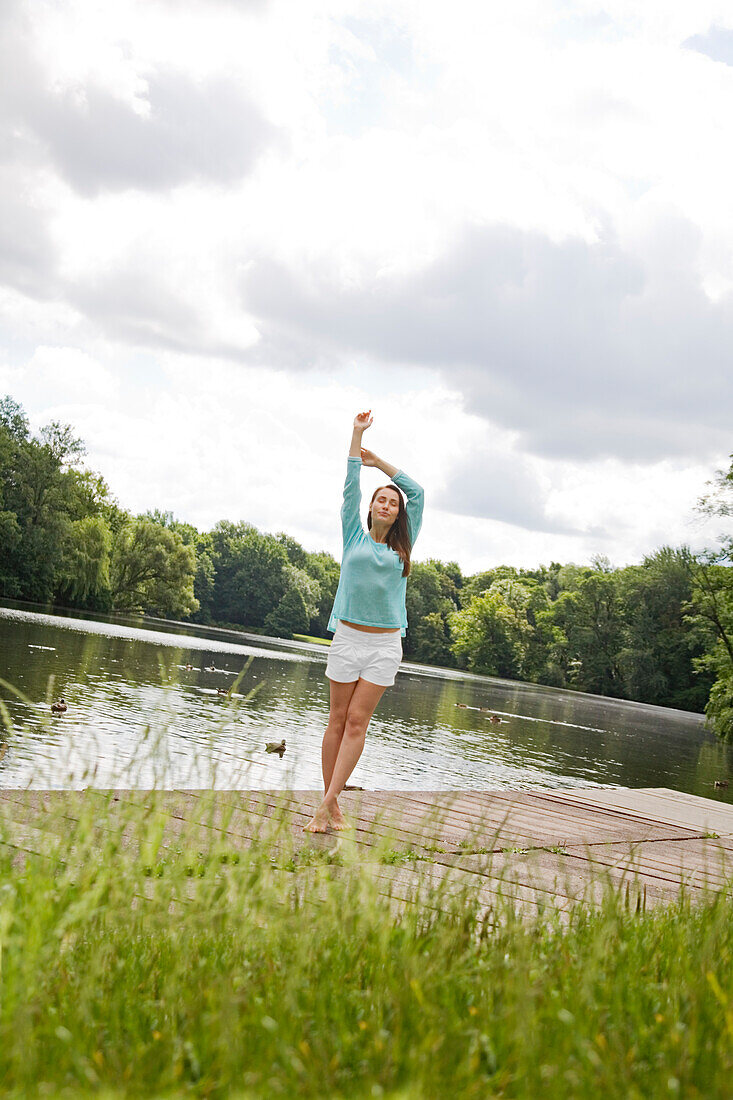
[548,848]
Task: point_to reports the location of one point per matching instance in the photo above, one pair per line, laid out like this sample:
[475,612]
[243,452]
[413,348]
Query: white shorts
[359,653]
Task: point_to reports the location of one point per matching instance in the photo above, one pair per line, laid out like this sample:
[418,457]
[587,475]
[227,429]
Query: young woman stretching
[368,616]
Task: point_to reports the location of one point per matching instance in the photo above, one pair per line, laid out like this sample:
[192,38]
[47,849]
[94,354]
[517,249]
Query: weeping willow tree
[83,574]
[151,569]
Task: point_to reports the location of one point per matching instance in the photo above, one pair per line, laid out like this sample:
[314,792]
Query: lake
[146,709]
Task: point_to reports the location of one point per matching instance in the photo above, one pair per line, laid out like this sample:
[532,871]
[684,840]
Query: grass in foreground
[129,968]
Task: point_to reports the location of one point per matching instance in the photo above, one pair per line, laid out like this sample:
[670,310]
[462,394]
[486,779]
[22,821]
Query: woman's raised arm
[361,422]
[370,459]
[415,502]
[411,489]
[350,518]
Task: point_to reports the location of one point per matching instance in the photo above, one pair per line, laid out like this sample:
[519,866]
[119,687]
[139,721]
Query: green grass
[137,961]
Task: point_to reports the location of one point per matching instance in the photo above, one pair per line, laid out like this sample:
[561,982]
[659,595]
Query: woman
[368,617]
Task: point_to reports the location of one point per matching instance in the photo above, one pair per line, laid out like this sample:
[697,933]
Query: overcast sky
[506,228]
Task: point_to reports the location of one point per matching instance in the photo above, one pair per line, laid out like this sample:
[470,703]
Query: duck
[495,718]
[188,668]
[59,707]
[463,706]
[209,668]
[720,784]
[222,691]
[276,746]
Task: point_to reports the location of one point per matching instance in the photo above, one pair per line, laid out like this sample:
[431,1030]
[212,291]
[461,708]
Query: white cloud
[511,226]
[70,375]
[585,350]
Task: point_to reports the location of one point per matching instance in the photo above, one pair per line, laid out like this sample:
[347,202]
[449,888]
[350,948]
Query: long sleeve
[350,518]
[415,502]
[371,588]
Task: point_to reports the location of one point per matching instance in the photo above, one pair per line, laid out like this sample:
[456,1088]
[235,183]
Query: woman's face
[385,507]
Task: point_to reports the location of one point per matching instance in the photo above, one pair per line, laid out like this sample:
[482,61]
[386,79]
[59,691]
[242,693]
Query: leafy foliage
[491,635]
[711,607]
[152,569]
[82,577]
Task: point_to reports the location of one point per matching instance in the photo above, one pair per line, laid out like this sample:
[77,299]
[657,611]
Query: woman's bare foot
[319,822]
[338,821]
[327,814]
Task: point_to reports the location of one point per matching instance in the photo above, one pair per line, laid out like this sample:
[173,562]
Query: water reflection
[152,707]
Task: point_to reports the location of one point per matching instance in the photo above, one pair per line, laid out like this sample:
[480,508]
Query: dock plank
[535,849]
[660,804]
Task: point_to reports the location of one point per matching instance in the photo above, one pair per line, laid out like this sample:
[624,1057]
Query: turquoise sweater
[372,589]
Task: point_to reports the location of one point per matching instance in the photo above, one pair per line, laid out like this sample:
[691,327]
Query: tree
[432,640]
[13,421]
[35,494]
[10,538]
[546,645]
[152,570]
[711,611]
[297,606]
[590,618]
[204,579]
[661,645]
[306,585]
[424,596]
[82,577]
[289,617]
[712,605]
[432,597]
[88,494]
[326,571]
[296,554]
[476,585]
[13,431]
[719,501]
[202,546]
[250,573]
[62,443]
[490,636]
[550,577]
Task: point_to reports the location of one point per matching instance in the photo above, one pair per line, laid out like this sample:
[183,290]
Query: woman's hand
[361,423]
[368,458]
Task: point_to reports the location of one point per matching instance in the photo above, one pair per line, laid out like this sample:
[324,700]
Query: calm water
[138,717]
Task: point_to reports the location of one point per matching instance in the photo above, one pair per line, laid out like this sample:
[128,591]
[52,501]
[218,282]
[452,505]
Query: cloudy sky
[506,228]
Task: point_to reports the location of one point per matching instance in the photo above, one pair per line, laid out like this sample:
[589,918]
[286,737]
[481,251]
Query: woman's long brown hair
[398,536]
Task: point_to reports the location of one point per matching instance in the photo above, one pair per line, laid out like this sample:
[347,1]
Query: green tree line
[659,632]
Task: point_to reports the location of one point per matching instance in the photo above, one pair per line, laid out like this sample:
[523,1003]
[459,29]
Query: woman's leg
[341,695]
[360,710]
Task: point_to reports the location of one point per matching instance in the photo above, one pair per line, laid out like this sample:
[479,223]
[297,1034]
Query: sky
[505,228]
